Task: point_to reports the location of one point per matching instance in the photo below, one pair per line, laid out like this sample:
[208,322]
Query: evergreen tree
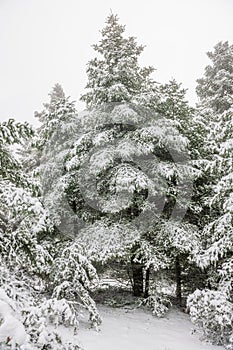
[69,275]
[215,91]
[58,130]
[216,98]
[57,120]
[116,75]
[29,312]
[172,104]
[21,214]
[117,78]
[22,220]
[120,190]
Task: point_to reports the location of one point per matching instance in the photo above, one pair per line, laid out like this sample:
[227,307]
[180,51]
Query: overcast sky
[47,41]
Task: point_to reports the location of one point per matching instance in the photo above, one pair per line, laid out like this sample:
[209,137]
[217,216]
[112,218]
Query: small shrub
[157,303]
[214,314]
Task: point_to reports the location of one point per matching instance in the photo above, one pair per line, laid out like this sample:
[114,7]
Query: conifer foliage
[33,252]
[136,138]
[215,91]
[115,75]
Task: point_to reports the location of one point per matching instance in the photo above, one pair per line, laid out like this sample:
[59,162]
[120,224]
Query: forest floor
[130,328]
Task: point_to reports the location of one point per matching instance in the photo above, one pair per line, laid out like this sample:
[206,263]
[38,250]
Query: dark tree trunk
[178,281]
[147,283]
[137,276]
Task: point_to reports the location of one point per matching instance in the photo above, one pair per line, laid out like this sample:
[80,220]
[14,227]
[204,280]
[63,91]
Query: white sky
[47,41]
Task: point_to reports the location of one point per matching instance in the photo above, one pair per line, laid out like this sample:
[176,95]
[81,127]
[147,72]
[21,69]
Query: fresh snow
[126,329]
[11,329]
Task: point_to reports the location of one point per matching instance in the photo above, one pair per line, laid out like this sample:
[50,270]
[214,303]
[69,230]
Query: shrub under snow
[214,313]
[157,303]
[28,322]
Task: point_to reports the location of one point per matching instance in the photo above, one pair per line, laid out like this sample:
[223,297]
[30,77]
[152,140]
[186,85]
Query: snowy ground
[126,329]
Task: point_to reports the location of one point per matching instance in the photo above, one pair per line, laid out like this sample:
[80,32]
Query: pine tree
[116,75]
[24,258]
[216,98]
[69,275]
[56,95]
[172,104]
[12,133]
[57,119]
[112,174]
[21,214]
[215,89]
[118,79]
[215,92]
[55,135]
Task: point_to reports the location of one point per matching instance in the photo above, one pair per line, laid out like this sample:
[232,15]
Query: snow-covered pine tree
[70,273]
[28,318]
[115,75]
[22,220]
[57,120]
[119,93]
[54,137]
[113,168]
[172,104]
[215,88]
[215,91]
[21,214]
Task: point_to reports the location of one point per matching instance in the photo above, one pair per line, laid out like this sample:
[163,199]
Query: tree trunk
[178,281]
[147,283]
[137,276]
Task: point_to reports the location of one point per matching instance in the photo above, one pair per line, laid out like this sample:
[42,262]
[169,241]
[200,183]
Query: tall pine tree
[117,79]
[70,274]
[215,91]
